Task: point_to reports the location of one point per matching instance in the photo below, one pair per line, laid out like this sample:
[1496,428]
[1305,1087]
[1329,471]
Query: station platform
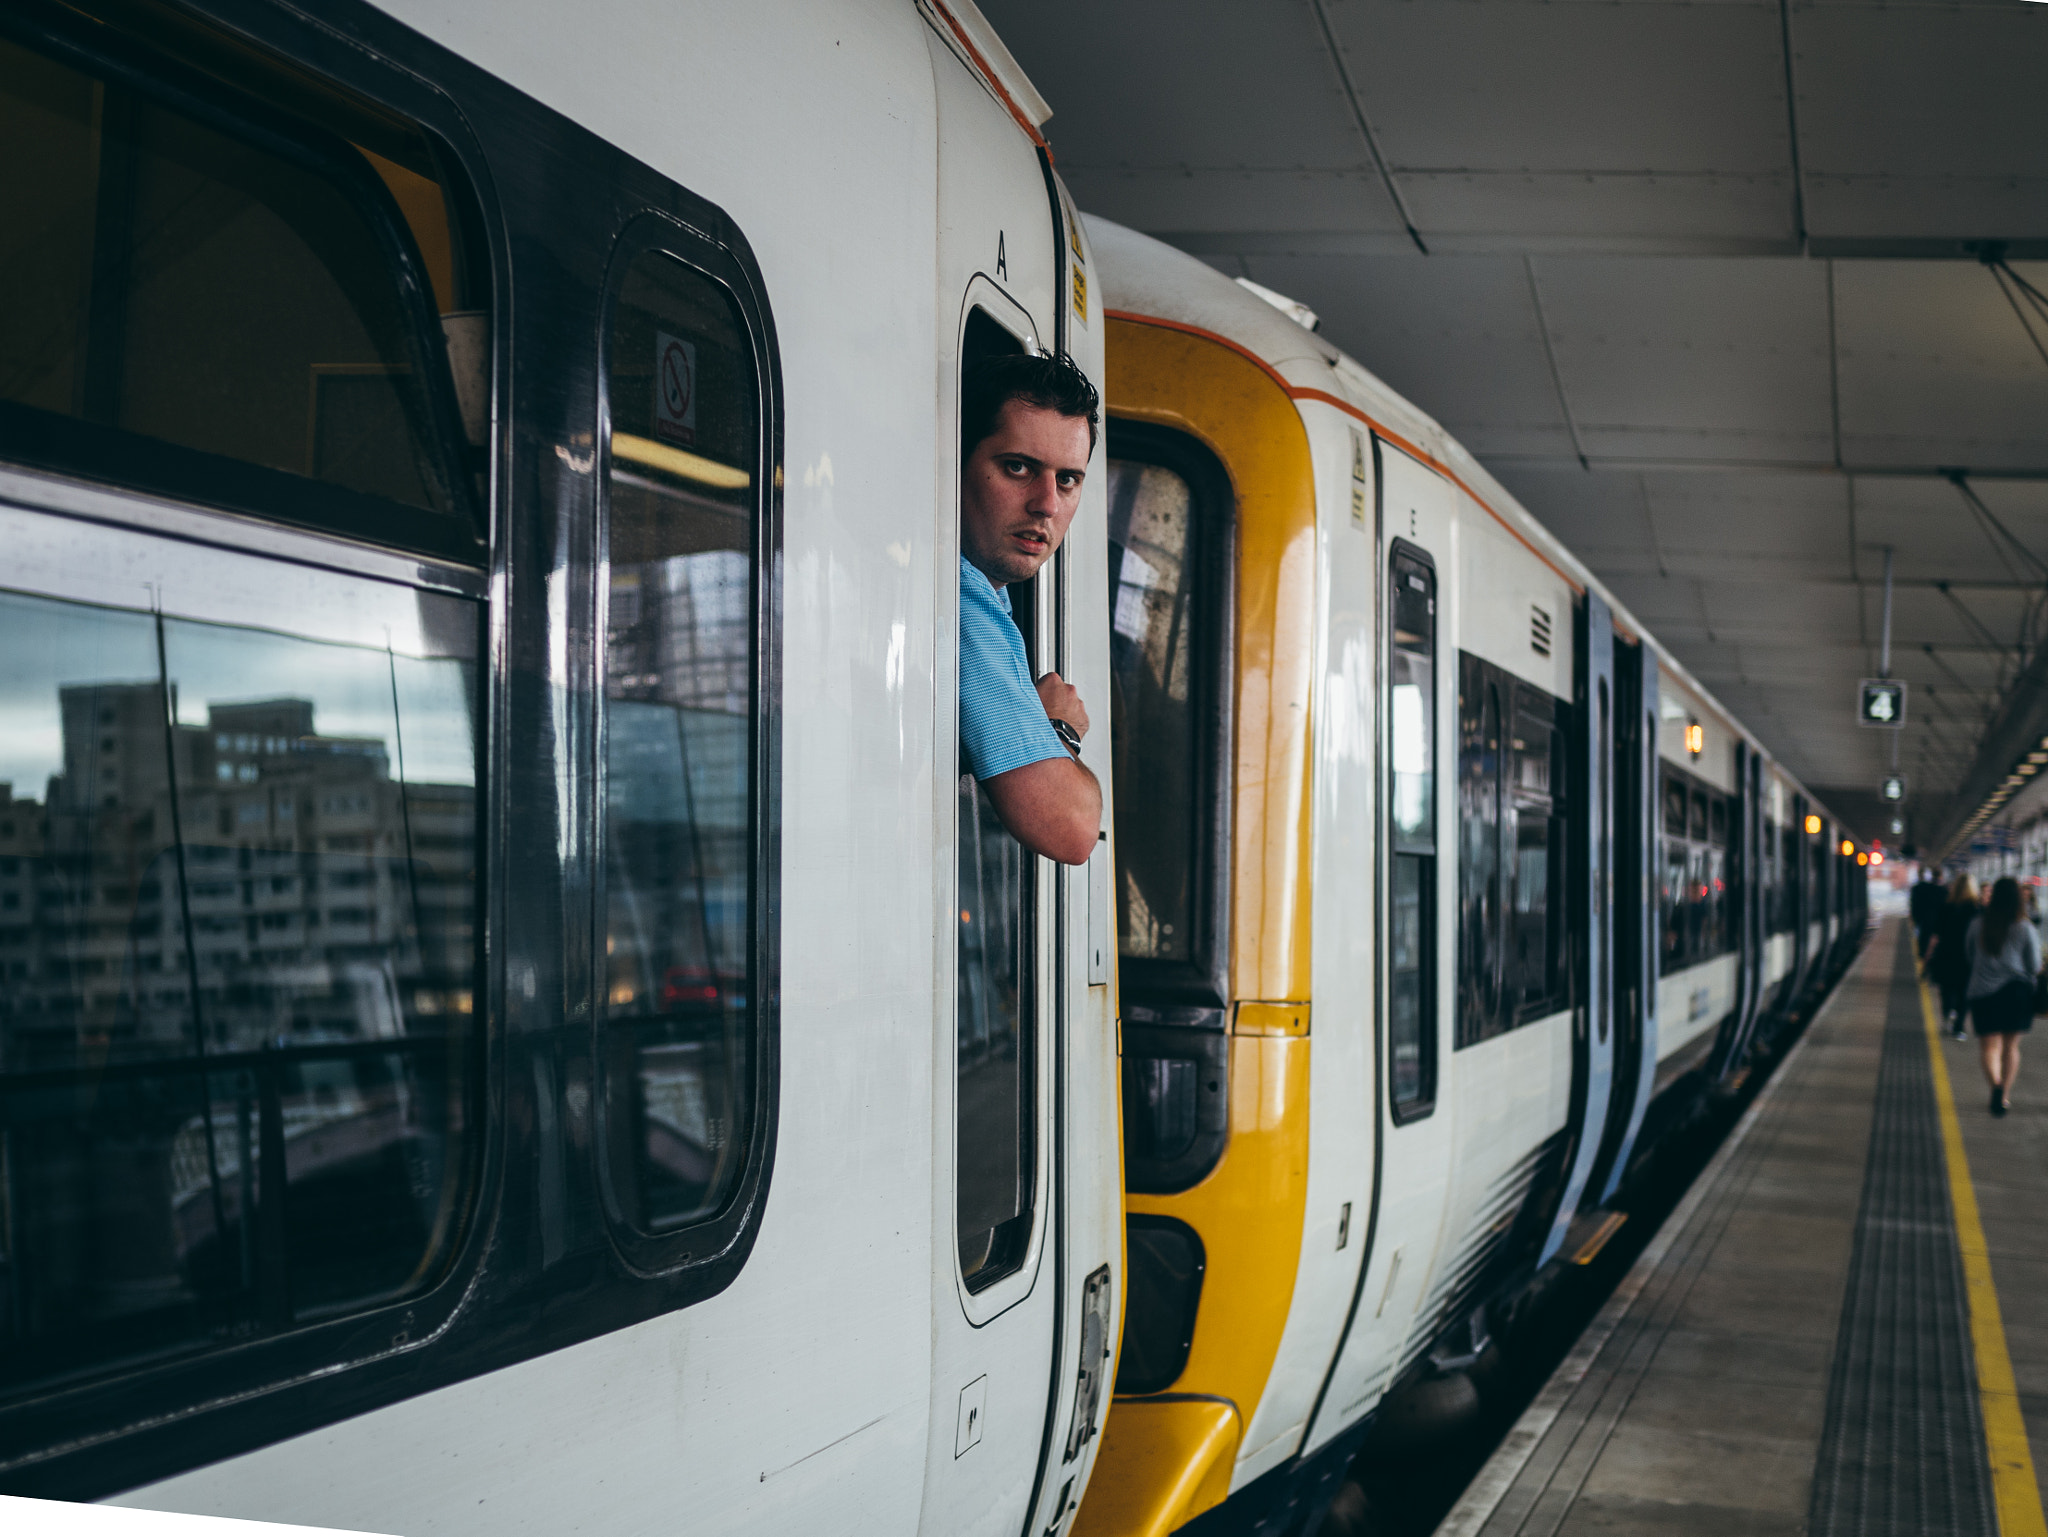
[1843,1328]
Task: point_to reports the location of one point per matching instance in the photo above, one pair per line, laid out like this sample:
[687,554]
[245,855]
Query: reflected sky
[50,644]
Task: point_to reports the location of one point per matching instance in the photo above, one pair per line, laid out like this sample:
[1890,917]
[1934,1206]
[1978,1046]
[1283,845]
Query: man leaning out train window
[1028,425]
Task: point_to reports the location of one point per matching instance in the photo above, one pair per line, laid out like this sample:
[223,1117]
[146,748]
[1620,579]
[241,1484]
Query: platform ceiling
[1700,282]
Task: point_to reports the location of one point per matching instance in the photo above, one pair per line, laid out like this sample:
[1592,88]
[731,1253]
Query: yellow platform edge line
[2014,1489]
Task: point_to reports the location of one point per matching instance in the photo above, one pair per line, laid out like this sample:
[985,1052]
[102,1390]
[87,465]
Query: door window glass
[1411,757]
[679,1060]
[239,942]
[1152,710]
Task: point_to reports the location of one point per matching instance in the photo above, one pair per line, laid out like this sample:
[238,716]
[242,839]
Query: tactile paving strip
[1902,1449]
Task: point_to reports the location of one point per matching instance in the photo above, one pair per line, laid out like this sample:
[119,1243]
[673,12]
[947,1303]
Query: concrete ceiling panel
[1936,369]
[1459,338]
[1167,85]
[1650,212]
[1693,359]
[1922,121]
[1510,85]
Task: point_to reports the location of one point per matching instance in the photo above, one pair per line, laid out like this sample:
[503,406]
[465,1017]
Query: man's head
[1028,425]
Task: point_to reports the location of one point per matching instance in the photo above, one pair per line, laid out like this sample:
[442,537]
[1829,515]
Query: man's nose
[1045,494]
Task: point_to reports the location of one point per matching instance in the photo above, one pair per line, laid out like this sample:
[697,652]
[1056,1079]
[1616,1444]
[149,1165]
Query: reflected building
[327,900]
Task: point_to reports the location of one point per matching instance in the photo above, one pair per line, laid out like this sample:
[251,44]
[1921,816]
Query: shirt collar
[1001,594]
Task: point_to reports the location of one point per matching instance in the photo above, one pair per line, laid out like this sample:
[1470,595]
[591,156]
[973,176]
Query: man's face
[1019,491]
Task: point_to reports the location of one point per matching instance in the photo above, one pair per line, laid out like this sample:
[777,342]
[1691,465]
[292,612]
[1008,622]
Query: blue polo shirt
[1002,723]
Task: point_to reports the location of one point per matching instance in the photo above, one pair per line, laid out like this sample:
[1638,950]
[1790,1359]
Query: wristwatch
[1069,737]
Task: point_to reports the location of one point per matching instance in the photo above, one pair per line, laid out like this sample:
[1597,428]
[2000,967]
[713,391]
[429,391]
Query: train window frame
[131,461]
[993,322]
[1428,860]
[722,1234]
[1201,980]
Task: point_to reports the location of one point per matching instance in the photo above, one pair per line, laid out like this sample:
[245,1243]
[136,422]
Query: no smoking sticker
[675,388]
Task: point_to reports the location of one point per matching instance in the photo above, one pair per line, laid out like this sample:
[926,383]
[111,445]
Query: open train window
[679,1055]
[1411,829]
[233,286]
[996,1015]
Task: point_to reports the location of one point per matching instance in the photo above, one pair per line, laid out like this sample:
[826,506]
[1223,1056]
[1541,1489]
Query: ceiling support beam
[1372,140]
[1791,131]
[1564,406]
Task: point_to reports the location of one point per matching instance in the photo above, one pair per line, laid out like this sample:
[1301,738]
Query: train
[511,1017]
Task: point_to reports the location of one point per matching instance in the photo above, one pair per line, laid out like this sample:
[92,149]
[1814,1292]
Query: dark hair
[2000,915]
[1049,381]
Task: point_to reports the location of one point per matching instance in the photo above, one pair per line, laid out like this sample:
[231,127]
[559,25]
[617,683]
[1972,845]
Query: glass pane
[1153,725]
[679,1057]
[1533,891]
[178,283]
[1412,706]
[1479,847]
[201,1141]
[997,1079]
[1407,959]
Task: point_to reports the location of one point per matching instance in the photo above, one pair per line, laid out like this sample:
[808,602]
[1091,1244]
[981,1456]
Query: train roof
[1144,277]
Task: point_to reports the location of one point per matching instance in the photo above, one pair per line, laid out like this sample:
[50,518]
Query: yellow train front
[1409,958]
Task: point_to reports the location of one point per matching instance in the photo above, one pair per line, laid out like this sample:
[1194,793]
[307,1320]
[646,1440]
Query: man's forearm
[1053,808]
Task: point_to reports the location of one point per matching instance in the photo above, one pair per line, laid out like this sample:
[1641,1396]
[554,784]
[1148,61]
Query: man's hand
[1062,701]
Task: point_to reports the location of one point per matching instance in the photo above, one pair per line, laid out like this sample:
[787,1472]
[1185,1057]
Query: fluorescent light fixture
[675,461]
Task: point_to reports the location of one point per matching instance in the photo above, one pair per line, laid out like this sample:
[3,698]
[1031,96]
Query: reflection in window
[996,1087]
[1154,730]
[679,1063]
[174,281]
[238,1021]
[1411,754]
[1479,850]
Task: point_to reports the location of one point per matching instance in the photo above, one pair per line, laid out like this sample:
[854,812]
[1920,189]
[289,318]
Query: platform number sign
[1882,703]
[675,388]
[1893,788]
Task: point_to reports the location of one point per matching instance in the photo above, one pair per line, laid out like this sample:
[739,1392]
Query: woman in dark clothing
[2005,964]
[1948,959]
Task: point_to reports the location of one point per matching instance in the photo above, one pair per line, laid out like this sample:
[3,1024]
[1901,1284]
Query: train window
[1169,510]
[1411,810]
[1538,976]
[995,1065]
[240,1043]
[218,299]
[678,1056]
[1481,752]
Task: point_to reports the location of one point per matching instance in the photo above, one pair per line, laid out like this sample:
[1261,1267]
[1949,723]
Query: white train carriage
[491,1047]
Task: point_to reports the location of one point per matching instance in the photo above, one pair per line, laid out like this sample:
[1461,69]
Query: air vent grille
[1539,630]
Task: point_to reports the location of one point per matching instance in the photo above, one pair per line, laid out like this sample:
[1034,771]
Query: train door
[1416,942]
[999,1348]
[1593,1025]
[1636,853]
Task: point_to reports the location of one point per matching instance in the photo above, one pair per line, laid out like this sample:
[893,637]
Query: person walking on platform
[1924,904]
[1948,956]
[2005,967]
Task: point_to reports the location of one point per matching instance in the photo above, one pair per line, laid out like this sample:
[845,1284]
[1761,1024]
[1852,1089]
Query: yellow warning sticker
[1081,295]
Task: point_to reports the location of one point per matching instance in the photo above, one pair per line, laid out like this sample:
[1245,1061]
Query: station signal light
[1863,859]
[1695,738]
[1812,825]
[1876,858]
[1848,848]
